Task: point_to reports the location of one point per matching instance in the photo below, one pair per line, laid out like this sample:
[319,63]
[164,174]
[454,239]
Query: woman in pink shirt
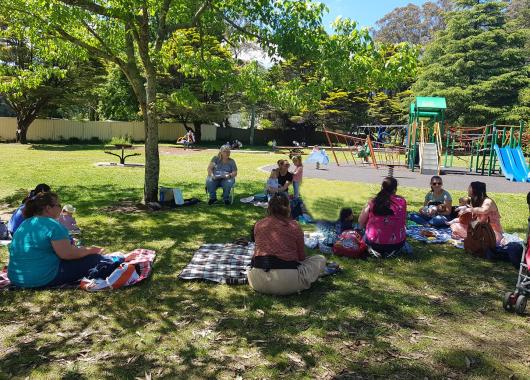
[384,219]
[297,175]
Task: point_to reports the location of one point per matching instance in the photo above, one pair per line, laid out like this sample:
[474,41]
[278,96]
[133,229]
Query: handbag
[350,244]
[480,238]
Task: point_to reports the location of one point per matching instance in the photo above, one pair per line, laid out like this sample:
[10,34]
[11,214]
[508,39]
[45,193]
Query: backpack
[4,233]
[350,244]
[480,238]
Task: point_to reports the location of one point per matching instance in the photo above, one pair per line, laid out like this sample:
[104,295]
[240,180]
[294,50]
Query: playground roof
[430,103]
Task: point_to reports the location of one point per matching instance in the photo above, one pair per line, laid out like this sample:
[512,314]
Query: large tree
[478,63]
[412,23]
[132,33]
[37,76]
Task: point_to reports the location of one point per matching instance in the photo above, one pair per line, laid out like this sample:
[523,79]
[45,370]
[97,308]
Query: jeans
[225,183]
[296,189]
[95,266]
[436,221]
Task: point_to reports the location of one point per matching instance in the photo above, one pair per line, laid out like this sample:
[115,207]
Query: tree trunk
[152,159]
[197,126]
[24,120]
[252,123]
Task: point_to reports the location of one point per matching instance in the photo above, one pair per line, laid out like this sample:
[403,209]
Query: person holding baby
[436,210]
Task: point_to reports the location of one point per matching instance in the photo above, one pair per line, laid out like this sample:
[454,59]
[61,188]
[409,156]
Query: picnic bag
[168,194]
[480,238]
[350,244]
[4,233]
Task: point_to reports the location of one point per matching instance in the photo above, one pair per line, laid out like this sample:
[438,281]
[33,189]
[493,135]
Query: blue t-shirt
[32,260]
[16,219]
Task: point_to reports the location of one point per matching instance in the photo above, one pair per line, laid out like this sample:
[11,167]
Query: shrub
[121,140]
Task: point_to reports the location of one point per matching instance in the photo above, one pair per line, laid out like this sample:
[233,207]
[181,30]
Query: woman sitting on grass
[18,216]
[384,219]
[41,253]
[279,265]
[437,207]
[482,209]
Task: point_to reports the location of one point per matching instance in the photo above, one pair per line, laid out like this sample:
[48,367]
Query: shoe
[331,269]
[211,201]
[227,202]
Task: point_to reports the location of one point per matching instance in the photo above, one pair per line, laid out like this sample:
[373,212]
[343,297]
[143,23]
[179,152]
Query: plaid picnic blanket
[441,235]
[221,263]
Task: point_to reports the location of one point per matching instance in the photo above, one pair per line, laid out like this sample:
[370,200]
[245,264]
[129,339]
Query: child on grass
[345,221]
[272,183]
[297,175]
[66,218]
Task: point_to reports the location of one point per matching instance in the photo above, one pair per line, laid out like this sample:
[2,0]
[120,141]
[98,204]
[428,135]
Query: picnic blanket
[221,263]
[135,267]
[439,235]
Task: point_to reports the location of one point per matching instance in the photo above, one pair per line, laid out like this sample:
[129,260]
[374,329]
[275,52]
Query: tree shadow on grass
[68,148]
[188,329]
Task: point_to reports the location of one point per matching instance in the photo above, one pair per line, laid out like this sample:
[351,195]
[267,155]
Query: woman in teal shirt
[41,253]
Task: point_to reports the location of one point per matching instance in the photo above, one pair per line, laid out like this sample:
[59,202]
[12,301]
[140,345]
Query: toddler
[66,218]
[297,175]
[272,183]
[345,221]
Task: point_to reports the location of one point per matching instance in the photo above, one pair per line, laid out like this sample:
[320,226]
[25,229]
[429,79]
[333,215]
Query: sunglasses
[436,184]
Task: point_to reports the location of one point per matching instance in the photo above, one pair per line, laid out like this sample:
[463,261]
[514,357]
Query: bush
[121,140]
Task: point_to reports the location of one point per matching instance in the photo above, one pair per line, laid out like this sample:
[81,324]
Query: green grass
[435,315]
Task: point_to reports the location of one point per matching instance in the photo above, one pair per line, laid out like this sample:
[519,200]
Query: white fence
[58,129]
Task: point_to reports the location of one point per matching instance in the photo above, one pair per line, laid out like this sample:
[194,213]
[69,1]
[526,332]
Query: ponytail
[40,188]
[383,200]
[36,205]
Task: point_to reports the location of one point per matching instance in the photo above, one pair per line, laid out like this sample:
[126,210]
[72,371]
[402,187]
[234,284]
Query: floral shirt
[388,229]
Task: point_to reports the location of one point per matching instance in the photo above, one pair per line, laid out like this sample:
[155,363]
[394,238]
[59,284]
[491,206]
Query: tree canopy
[479,63]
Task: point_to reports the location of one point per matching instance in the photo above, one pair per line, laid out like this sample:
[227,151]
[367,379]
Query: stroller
[516,301]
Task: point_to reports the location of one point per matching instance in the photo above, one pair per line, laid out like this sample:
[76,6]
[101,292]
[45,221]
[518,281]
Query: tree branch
[162,24]
[242,29]
[93,7]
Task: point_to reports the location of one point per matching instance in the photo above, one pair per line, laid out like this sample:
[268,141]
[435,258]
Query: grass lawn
[437,314]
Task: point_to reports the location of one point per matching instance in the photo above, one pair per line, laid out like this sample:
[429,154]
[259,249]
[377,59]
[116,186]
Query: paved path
[452,181]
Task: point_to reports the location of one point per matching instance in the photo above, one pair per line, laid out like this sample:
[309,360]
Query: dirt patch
[126,207]
[177,151]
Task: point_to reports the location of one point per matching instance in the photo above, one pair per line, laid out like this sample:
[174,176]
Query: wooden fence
[61,130]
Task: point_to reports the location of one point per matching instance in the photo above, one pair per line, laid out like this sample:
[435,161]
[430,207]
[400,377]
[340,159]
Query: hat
[69,208]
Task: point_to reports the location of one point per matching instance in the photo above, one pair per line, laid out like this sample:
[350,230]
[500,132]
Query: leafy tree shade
[37,75]
[413,24]
[116,100]
[132,33]
[477,63]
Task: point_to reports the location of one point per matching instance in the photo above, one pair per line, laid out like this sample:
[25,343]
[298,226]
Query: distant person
[41,253]
[318,156]
[285,177]
[272,186]
[18,216]
[437,207]
[297,175]
[222,172]
[384,219]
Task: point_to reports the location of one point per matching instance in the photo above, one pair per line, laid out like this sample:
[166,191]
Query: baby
[272,183]
[463,202]
[66,218]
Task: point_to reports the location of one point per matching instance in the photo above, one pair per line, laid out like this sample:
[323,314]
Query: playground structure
[364,150]
[491,150]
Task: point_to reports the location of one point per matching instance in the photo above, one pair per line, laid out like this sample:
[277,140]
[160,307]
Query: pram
[516,301]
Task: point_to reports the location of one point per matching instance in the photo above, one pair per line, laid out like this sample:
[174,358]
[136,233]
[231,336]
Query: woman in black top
[285,177]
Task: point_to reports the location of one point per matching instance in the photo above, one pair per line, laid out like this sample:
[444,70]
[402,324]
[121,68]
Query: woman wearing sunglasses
[437,207]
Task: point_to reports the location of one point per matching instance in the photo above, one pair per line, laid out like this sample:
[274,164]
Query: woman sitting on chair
[222,172]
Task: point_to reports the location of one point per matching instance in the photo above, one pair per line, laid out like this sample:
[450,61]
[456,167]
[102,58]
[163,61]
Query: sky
[365,12]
